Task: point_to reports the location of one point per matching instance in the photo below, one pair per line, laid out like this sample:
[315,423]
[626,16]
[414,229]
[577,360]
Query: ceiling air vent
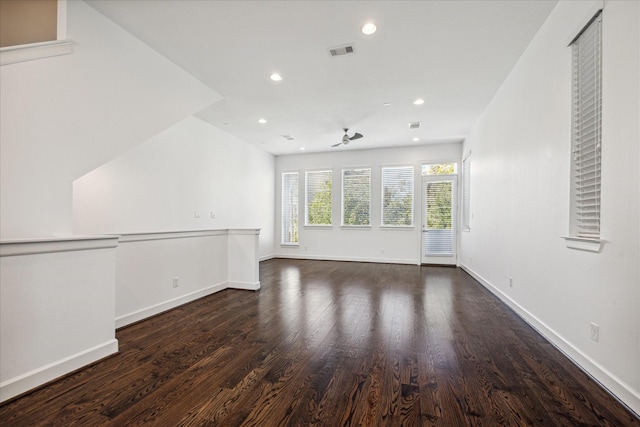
[341,50]
[414,125]
[288,137]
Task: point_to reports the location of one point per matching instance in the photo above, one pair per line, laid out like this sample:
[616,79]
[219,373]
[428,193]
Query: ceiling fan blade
[356,136]
[335,145]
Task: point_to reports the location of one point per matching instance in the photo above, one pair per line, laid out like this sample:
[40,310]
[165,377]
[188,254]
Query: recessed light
[418,101]
[262,121]
[276,77]
[416,139]
[369,28]
[301,148]
[386,104]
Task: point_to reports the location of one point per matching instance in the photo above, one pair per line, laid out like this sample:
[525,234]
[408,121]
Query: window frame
[306,198]
[382,200]
[586,147]
[342,199]
[283,200]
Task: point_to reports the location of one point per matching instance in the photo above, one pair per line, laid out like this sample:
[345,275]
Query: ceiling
[452,54]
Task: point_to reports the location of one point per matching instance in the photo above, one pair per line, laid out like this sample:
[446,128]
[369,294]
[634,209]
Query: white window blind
[356,196]
[397,196]
[586,133]
[289,208]
[466,193]
[318,197]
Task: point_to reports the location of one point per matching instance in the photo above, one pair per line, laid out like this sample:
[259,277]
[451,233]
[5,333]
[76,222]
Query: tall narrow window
[397,196]
[466,193]
[586,135]
[289,208]
[356,196]
[318,197]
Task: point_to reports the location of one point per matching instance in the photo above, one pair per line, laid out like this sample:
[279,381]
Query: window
[356,196]
[289,208]
[318,198]
[466,196]
[440,169]
[586,132]
[397,196]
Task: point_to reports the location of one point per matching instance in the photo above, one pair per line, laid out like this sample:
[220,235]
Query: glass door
[439,219]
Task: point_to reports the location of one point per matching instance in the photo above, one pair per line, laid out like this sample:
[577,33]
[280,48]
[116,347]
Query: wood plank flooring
[330,344]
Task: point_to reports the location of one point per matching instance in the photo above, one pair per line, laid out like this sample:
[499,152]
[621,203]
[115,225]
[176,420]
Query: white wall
[57,303]
[160,184]
[336,243]
[520,198]
[66,115]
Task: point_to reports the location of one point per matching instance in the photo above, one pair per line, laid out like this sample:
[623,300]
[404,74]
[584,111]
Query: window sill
[397,227]
[320,227]
[28,52]
[289,245]
[355,227]
[582,244]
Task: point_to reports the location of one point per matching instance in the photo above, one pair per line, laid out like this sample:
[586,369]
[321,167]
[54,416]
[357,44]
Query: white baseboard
[15,386]
[136,316]
[250,286]
[618,388]
[352,259]
[267,257]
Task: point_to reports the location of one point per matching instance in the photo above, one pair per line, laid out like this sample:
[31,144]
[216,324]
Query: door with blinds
[439,229]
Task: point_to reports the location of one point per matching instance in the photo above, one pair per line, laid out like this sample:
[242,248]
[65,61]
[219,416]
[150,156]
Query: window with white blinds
[397,196]
[466,193]
[356,196]
[586,135]
[318,197]
[289,208]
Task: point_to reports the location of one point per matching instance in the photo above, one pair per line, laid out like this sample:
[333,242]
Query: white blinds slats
[397,196]
[289,208]
[586,131]
[356,196]
[318,197]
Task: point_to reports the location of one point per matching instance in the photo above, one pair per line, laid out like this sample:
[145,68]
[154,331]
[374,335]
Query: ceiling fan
[346,138]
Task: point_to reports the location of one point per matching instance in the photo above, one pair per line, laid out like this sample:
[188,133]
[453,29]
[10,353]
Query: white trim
[147,312]
[249,286]
[29,380]
[352,259]
[56,244]
[28,52]
[614,385]
[580,243]
[165,235]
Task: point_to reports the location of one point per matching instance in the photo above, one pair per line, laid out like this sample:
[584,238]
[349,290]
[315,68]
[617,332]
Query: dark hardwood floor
[331,344]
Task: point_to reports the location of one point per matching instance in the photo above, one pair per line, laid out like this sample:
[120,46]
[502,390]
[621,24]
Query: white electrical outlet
[213,215]
[595,332]
[196,214]
[381,250]
[511,282]
[175,282]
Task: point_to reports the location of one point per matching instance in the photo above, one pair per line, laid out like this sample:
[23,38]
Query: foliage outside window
[356,196]
[318,197]
[397,196]
[290,208]
[439,205]
[440,169]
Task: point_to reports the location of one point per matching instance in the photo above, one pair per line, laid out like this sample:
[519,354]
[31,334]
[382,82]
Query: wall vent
[288,137]
[341,50]
[414,125]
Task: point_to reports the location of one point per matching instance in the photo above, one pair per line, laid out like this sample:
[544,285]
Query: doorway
[439,230]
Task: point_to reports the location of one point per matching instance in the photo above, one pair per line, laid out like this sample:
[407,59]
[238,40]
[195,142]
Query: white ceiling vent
[288,137]
[341,50]
[414,125]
